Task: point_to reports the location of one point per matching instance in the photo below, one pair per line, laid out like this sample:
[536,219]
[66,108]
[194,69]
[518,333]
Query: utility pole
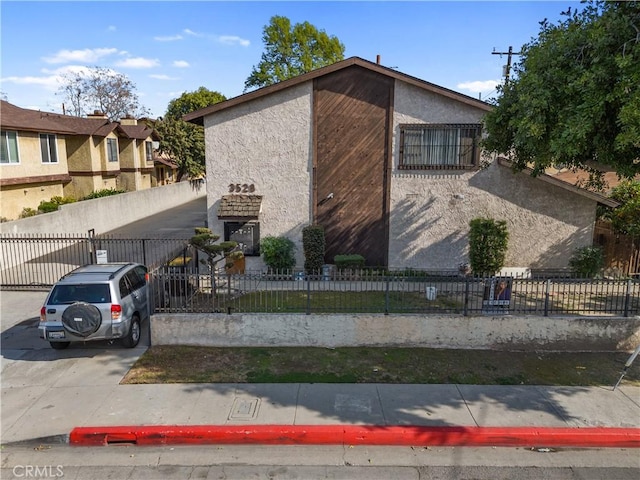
[507,68]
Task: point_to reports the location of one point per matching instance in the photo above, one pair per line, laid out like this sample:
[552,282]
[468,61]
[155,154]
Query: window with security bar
[439,146]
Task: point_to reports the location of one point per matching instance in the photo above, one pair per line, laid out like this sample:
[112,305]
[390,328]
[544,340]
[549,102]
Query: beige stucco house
[45,155]
[33,160]
[390,166]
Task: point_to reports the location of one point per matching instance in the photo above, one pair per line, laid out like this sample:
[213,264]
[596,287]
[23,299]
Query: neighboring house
[137,151]
[48,154]
[166,169]
[388,164]
[33,159]
[93,153]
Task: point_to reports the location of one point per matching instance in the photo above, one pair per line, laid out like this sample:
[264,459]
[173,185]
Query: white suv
[96,302]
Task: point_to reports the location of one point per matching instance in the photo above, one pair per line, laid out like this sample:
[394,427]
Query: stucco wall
[265,143]
[432,331]
[431,210]
[14,198]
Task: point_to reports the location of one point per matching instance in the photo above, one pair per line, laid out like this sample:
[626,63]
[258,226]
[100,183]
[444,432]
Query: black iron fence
[187,289]
[38,261]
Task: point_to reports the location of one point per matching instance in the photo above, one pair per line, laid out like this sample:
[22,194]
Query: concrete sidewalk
[30,412]
[48,393]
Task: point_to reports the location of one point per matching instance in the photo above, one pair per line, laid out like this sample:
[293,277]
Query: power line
[507,67]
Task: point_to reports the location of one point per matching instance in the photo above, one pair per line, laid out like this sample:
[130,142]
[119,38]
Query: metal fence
[38,261]
[188,290]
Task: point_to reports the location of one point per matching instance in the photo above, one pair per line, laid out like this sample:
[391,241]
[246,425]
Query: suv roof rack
[111,275]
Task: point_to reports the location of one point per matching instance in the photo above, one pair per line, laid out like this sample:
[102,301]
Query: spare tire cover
[82,319]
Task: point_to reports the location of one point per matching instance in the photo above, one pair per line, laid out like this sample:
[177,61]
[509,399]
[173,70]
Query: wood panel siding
[352,118]
[621,252]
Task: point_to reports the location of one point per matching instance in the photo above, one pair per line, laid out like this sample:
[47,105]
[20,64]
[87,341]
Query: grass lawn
[185,364]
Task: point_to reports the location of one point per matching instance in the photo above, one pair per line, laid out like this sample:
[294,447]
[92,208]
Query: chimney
[96,114]
[378,59]
[128,120]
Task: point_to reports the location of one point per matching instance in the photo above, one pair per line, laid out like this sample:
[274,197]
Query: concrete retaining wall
[107,213]
[432,331]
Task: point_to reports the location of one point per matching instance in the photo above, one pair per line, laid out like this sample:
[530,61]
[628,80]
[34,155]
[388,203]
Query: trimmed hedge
[349,261]
[313,245]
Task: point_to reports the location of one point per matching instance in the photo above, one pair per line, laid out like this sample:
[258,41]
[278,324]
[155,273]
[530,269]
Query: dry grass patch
[186,364]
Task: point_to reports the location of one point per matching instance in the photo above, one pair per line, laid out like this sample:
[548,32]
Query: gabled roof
[139,132]
[240,206]
[553,180]
[198,116]
[16,118]
[100,127]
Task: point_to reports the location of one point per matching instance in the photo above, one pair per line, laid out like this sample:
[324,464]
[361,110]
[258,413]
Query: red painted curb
[357,435]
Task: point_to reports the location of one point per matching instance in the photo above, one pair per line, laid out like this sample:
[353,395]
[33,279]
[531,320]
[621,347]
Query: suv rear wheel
[133,336]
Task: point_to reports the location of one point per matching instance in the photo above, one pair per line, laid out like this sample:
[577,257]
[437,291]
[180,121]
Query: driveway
[39,382]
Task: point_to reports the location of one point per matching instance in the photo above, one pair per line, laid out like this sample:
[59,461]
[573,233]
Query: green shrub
[313,245]
[586,262]
[47,206]
[488,240]
[105,192]
[278,253]
[28,212]
[349,261]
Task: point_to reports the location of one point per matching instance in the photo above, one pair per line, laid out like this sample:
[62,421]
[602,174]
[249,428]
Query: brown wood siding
[352,114]
[621,252]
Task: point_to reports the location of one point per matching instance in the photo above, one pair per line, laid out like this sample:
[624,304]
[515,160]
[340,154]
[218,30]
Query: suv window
[90,293]
[136,278]
[125,288]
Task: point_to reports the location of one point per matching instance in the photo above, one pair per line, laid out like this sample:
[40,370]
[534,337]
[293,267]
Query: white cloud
[479,86]
[233,40]
[163,77]
[138,62]
[50,80]
[88,55]
[111,28]
[171,38]
[180,64]
[223,39]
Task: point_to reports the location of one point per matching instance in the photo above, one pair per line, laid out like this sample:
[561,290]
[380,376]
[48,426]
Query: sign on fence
[497,295]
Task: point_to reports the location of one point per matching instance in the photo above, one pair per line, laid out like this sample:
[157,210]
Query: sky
[167,48]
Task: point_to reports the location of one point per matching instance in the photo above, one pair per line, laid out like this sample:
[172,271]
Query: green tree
[575,98]
[183,142]
[191,101]
[626,218]
[100,89]
[292,51]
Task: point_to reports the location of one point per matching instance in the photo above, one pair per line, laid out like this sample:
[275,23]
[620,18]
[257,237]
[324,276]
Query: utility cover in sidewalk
[352,403]
[244,409]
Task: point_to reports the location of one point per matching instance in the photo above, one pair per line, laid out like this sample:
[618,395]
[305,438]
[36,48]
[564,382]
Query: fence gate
[37,261]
